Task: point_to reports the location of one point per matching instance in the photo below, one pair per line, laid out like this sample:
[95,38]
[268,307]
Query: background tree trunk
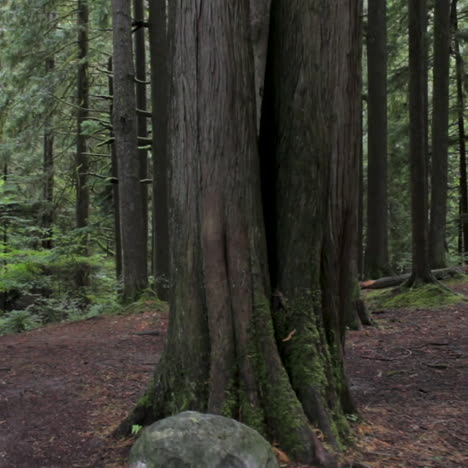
[134,261]
[140,93]
[48,171]
[159,46]
[421,272]
[376,258]
[81,164]
[461,134]
[440,117]
[115,187]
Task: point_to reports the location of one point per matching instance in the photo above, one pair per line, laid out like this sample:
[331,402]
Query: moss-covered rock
[195,440]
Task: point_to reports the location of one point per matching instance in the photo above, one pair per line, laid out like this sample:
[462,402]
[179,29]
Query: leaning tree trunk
[421,272]
[222,353]
[440,118]
[376,258]
[81,163]
[132,228]
[461,135]
[159,47]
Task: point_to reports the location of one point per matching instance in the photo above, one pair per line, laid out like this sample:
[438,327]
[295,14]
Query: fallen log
[390,281]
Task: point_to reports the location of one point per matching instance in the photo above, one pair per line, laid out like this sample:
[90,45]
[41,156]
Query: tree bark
[134,261]
[81,163]
[440,118]
[272,360]
[159,47]
[421,272]
[140,93]
[377,211]
[48,171]
[115,187]
[461,135]
[260,25]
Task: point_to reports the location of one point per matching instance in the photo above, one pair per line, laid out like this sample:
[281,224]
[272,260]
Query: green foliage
[18,321]
[44,280]
[136,428]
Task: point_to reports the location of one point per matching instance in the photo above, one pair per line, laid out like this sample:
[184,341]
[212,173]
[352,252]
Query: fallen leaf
[291,334]
[281,456]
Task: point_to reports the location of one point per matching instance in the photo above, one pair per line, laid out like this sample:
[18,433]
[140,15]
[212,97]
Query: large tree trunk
[159,42]
[440,117]
[421,272]
[461,135]
[377,225]
[140,93]
[271,359]
[81,164]
[132,228]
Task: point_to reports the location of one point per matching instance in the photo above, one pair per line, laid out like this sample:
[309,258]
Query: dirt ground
[64,388]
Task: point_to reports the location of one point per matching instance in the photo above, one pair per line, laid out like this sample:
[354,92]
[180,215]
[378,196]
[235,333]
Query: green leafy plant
[136,428]
[18,321]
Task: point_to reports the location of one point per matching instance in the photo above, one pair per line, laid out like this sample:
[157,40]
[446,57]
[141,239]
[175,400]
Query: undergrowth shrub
[42,284]
[18,321]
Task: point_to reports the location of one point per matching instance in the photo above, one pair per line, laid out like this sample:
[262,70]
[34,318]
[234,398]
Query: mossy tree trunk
[255,327]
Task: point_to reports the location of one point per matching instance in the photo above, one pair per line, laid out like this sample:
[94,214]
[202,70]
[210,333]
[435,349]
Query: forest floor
[64,388]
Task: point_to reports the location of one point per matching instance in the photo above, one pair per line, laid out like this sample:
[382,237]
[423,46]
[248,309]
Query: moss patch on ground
[147,303]
[456,280]
[427,296]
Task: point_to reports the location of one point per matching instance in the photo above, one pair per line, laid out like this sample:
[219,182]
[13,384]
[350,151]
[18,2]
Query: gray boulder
[195,440]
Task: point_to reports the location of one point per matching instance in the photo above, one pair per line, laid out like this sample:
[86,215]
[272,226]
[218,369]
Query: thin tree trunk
[360,239]
[140,93]
[461,135]
[81,164]
[440,117]
[48,171]
[159,47]
[377,211]
[4,294]
[421,272]
[134,261]
[115,187]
